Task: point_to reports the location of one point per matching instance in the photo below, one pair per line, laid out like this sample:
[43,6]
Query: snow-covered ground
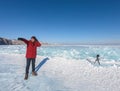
[67,69]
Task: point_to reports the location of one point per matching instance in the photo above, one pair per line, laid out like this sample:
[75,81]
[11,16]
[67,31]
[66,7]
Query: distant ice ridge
[107,53]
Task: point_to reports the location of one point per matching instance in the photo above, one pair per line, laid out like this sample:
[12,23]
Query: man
[97,59]
[31,53]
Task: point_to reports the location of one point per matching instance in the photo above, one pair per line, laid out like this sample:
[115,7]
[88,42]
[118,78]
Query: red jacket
[31,51]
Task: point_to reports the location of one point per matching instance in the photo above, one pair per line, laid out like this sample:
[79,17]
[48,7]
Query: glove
[20,38]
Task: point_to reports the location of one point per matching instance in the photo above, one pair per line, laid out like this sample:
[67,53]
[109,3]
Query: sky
[61,21]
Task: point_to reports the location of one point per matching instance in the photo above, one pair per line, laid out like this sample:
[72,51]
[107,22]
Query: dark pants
[97,60]
[28,61]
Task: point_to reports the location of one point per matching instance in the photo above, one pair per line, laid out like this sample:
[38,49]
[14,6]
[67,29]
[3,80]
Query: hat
[34,38]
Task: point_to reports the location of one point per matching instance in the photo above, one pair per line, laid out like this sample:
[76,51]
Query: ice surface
[67,69]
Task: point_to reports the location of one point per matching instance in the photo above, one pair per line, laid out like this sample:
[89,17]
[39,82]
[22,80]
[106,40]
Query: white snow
[58,74]
[67,69]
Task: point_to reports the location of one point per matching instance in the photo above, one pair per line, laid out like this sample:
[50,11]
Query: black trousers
[28,61]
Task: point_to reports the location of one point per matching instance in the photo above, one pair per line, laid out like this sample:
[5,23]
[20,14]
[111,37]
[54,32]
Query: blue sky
[61,20]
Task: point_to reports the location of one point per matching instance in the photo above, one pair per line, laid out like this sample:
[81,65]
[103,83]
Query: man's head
[98,56]
[33,39]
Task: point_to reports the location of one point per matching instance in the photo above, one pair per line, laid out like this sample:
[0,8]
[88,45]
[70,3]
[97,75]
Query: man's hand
[19,38]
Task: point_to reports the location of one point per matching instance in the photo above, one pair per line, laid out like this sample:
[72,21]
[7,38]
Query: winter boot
[26,77]
[34,73]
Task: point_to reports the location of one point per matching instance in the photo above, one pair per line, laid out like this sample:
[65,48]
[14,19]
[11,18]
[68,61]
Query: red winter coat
[31,51]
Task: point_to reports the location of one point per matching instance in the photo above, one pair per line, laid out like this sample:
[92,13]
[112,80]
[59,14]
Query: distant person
[31,53]
[97,59]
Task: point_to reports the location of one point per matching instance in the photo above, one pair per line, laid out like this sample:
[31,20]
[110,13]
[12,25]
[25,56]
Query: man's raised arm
[24,40]
[37,42]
